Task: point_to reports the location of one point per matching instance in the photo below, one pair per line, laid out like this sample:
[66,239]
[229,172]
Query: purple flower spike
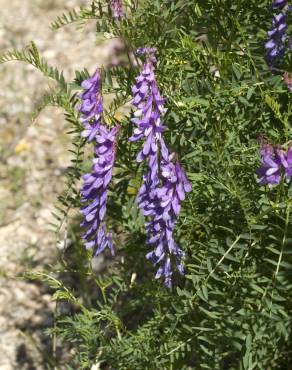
[95,189]
[150,106]
[165,183]
[277,36]
[163,208]
[117,9]
[91,106]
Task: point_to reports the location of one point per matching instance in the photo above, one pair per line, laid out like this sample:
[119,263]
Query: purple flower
[150,52]
[275,46]
[286,162]
[288,169]
[163,210]
[150,183]
[95,189]
[277,36]
[142,51]
[95,184]
[117,9]
[276,163]
[150,106]
[165,271]
[147,118]
[270,171]
[165,183]
[279,3]
[91,106]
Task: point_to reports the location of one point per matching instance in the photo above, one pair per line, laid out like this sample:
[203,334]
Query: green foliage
[233,308]
[31,55]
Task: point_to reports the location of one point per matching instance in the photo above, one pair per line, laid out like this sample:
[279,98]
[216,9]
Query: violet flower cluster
[91,106]
[277,36]
[275,165]
[117,9]
[165,183]
[150,106]
[95,184]
[162,210]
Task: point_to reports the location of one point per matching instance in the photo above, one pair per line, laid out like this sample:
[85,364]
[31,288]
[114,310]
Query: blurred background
[33,158]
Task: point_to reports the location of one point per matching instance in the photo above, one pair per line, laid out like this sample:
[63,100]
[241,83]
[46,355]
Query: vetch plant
[186,190]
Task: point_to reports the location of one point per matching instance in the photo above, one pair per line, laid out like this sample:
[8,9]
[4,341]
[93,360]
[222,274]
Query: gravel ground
[33,157]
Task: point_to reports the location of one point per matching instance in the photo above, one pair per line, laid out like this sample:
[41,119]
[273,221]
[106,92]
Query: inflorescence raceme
[165,183]
[276,164]
[95,187]
[91,106]
[277,36]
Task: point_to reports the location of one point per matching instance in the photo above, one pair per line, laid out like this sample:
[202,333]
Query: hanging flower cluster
[276,163]
[91,106]
[117,9]
[95,189]
[150,106]
[95,186]
[277,36]
[162,211]
[165,183]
